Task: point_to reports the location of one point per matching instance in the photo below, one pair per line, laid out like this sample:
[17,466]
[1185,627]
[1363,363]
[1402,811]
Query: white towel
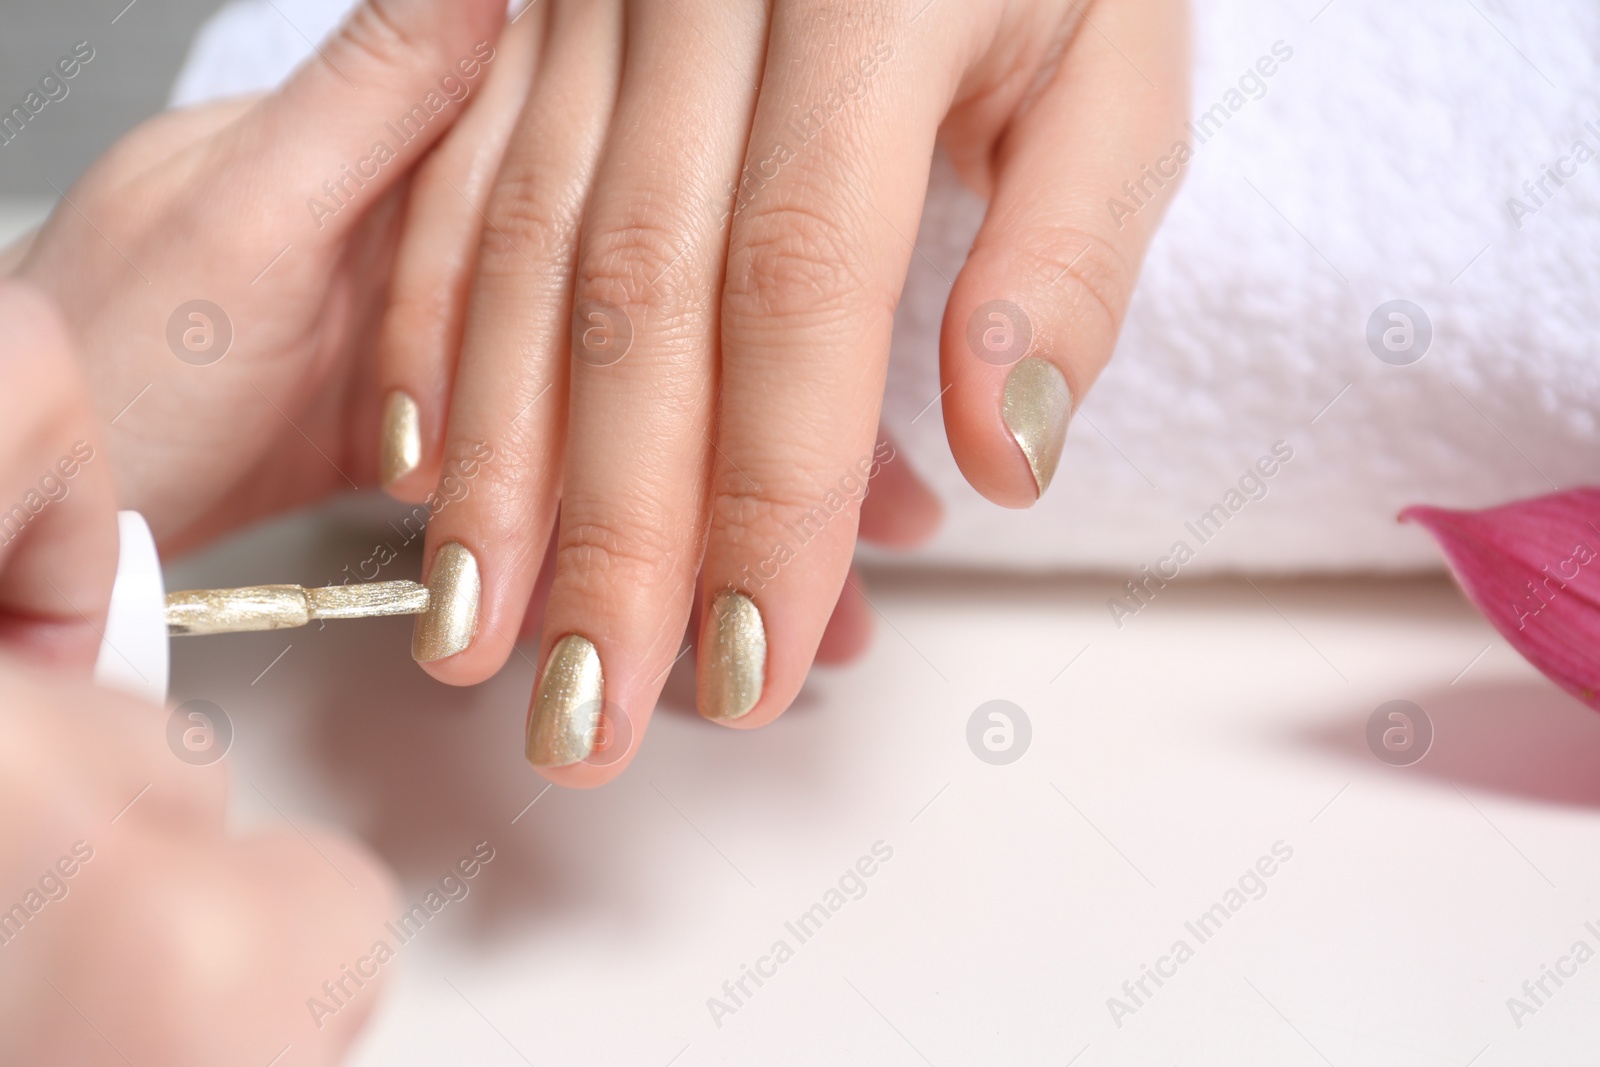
[1385,159]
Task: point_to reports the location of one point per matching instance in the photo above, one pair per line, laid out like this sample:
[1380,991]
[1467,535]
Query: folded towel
[1443,155]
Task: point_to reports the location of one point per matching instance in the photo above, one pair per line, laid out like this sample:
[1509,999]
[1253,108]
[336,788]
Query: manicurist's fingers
[836,171]
[1082,176]
[58,533]
[644,375]
[285,185]
[359,114]
[427,308]
[501,466]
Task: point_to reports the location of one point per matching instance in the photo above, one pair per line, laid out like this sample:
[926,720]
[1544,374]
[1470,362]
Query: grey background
[136,58]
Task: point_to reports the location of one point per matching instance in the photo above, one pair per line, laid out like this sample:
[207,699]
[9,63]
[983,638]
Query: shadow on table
[425,771]
[430,770]
[1523,739]
[422,772]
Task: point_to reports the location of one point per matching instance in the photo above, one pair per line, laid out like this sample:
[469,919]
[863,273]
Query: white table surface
[1165,761]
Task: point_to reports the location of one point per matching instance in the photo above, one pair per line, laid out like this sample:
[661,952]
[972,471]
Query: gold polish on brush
[197,612]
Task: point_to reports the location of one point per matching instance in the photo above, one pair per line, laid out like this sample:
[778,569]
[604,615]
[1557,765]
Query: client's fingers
[899,510]
[817,259]
[849,629]
[1035,313]
[643,394]
[427,308]
[58,533]
[508,408]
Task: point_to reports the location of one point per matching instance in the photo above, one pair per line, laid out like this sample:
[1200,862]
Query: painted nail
[400,449]
[566,712]
[1037,407]
[735,659]
[451,621]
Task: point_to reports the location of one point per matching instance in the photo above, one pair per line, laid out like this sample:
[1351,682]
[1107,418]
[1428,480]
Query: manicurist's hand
[58,522]
[679,315]
[133,927]
[223,269]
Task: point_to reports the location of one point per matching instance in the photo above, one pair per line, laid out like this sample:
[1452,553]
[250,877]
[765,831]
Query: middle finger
[644,378]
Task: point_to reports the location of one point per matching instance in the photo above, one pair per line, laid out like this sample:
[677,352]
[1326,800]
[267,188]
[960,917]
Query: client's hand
[680,317]
[133,928]
[222,269]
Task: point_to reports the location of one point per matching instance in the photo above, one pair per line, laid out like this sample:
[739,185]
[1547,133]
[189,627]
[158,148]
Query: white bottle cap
[135,652]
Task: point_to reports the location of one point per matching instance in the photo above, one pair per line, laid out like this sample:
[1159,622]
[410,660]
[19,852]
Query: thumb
[358,114]
[58,529]
[1035,313]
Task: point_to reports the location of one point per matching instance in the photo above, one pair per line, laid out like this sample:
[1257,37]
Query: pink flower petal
[1532,567]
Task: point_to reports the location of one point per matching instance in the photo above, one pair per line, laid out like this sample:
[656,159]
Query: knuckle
[860,18]
[498,489]
[642,262]
[791,262]
[615,554]
[413,321]
[1092,278]
[754,518]
[528,227]
[498,493]
[377,33]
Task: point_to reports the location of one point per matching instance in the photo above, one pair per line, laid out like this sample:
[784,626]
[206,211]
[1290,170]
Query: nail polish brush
[134,648]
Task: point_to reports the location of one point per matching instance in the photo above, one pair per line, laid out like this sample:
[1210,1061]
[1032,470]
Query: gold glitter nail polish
[1036,409]
[451,621]
[565,717]
[400,446]
[734,661]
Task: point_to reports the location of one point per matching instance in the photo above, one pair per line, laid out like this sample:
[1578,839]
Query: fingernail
[451,621]
[566,712]
[735,659]
[401,446]
[1037,406]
